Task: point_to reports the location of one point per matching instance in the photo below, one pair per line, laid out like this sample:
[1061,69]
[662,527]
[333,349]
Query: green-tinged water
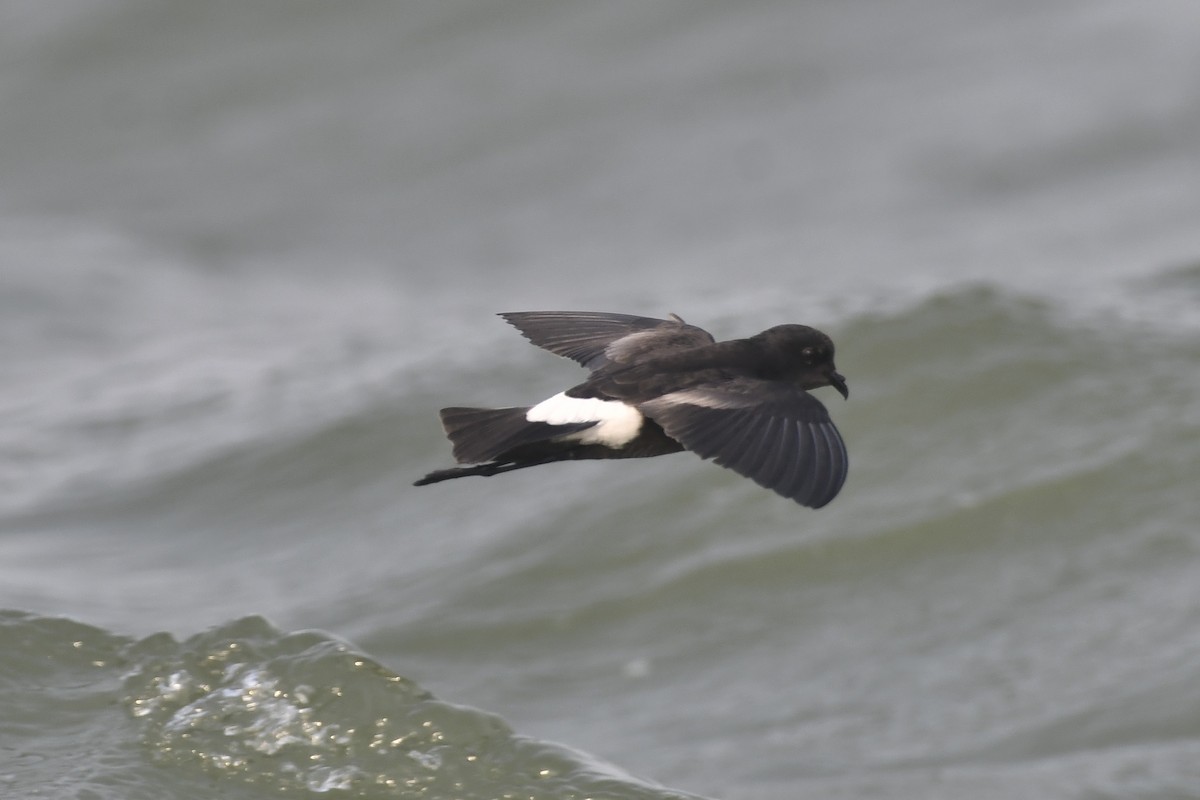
[246,253]
[244,710]
[1004,597]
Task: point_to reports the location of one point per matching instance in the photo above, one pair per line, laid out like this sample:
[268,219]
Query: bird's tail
[481,434]
[488,434]
[498,440]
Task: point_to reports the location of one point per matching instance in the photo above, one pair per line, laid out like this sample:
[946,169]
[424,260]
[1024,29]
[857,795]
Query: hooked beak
[839,383]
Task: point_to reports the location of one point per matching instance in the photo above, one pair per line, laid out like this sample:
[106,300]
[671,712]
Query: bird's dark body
[662,386]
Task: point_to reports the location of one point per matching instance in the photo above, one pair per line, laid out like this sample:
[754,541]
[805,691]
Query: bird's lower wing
[777,435]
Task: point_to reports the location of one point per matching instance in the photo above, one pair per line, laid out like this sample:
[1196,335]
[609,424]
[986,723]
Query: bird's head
[801,354]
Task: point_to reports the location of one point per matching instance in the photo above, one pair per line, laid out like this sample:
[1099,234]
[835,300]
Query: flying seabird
[661,386]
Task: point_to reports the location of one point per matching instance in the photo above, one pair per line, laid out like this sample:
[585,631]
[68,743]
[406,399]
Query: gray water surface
[248,250]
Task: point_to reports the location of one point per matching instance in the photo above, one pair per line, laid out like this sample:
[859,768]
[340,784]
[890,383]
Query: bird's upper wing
[595,338]
[777,435]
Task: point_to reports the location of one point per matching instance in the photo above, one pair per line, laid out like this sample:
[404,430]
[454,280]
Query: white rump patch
[617,424]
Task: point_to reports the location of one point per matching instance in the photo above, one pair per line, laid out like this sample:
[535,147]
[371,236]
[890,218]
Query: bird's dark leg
[483,470]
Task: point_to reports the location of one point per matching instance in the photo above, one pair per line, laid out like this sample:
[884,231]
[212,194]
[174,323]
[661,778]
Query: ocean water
[248,250]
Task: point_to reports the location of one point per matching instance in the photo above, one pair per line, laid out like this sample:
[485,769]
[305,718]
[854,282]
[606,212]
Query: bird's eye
[808,353]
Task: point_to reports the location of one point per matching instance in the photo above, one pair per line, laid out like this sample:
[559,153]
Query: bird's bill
[839,383]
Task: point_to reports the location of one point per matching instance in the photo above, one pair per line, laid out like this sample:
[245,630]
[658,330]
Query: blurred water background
[248,249]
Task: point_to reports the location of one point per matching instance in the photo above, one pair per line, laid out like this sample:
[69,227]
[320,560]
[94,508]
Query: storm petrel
[661,386]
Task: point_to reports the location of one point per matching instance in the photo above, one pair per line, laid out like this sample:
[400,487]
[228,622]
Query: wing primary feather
[775,459]
[755,458]
[737,452]
[714,432]
[818,463]
[825,468]
[794,469]
[837,463]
